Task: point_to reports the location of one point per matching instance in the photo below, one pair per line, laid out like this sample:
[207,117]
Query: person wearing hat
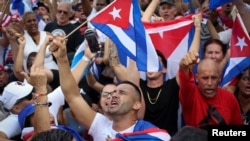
[27,120]
[5,78]
[37,116]
[167,10]
[16,95]
[41,9]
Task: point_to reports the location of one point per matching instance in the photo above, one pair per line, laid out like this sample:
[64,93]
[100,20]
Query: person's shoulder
[49,25]
[226,93]
[171,81]
[9,119]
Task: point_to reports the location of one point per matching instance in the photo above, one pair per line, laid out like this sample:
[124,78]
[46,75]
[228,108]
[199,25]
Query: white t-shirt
[10,125]
[57,99]
[225,36]
[101,128]
[30,46]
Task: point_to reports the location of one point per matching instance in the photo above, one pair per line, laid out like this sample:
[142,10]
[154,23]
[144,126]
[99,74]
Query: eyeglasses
[106,94]
[61,11]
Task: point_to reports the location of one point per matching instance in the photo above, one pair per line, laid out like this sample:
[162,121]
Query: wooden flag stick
[75,29]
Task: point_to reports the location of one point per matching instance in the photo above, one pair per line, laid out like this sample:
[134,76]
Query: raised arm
[244,11]
[213,32]
[41,116]
[78,71]
[39,59]
[149,12]
[83,113]
[13,32]
[18,65]
[93,83]
[114,62]
[195,46]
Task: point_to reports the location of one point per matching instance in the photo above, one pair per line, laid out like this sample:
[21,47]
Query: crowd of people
[43,97]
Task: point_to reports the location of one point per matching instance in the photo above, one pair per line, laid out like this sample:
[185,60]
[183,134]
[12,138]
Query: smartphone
[91,38]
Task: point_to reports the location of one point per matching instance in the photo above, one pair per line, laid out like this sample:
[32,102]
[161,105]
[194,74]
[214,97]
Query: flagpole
[75,29]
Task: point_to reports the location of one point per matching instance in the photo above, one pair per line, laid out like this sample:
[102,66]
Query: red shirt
[195,106]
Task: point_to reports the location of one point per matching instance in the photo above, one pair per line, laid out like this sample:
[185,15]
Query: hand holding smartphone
[91,38]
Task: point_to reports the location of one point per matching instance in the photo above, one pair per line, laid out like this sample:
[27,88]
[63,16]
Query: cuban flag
[121,22]
[150,134]
[172,38]
[95,69]
[213,4]
[78,55]
[239,51]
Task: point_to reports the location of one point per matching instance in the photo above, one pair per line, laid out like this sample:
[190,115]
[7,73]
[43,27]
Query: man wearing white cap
[15,97]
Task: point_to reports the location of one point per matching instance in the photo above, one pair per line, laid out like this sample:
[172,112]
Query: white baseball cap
[15,91]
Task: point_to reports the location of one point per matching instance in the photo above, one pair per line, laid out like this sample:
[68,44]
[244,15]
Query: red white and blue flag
[7,19]
[150,134]
[239,51]
[172,38]
[121,22]
[19,7]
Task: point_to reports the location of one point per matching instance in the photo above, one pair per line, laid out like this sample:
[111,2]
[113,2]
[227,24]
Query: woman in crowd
[242,94]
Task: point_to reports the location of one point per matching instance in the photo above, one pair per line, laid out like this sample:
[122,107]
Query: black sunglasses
[61,11]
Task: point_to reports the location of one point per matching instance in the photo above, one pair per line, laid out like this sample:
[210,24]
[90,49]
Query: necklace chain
[154,99]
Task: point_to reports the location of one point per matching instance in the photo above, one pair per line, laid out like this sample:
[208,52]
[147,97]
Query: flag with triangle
[239,51]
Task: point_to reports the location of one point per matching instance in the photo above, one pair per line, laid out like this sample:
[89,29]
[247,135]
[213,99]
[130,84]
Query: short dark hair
[163,59]
[26,14]
[137,89]
[216,41]
[53,135]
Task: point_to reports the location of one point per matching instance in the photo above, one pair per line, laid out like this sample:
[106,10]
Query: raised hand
[197,18]
[87,52]
[37,78]
[58,47]
[21,41]
[192,57]
[48,39]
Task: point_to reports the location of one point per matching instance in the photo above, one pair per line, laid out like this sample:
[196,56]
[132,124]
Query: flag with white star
[239,51]
[121,22]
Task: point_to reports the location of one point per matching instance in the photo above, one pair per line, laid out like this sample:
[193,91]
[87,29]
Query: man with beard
[123,105]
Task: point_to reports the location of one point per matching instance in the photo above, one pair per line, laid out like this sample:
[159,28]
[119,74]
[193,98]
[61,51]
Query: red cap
[2,68]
